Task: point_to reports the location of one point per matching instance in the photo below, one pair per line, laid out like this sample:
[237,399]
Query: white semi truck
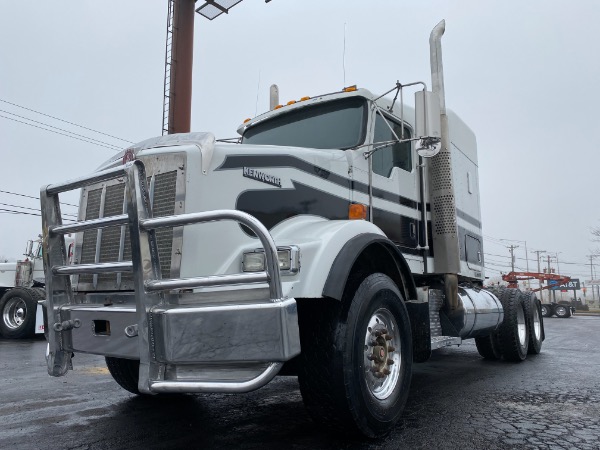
[21,293]
[339,240]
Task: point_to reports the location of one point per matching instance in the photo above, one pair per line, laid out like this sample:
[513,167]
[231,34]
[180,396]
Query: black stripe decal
[241,161]
[258,161]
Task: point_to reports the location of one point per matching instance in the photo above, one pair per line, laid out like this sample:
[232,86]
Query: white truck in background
[339,240]
[21,293]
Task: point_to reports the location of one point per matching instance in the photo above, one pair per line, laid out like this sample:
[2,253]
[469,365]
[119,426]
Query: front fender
[320,242]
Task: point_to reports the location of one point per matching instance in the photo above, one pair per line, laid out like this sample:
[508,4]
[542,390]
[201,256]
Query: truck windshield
[337,124]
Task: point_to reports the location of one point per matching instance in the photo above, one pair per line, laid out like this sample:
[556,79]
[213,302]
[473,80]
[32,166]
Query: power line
[66,121]
[12,211]
[35,198]
[62,129]
[31,209]
[56,132]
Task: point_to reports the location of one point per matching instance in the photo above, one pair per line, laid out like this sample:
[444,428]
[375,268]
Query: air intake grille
[163,204]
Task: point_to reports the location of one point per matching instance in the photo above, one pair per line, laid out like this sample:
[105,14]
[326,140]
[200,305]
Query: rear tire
[513,335]
[356,360]
[562,311]
[125,372]
[535,322]
[18,309]
[546,311]
[487,347]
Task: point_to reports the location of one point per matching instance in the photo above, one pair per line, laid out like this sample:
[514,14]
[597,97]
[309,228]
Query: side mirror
[428,123]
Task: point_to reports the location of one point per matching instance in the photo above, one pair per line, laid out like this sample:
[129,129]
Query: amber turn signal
[357,211]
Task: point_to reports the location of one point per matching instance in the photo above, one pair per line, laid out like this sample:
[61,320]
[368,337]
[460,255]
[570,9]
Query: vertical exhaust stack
[443,203]
[273,97]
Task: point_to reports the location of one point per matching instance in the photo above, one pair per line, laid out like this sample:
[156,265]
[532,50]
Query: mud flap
[421,330]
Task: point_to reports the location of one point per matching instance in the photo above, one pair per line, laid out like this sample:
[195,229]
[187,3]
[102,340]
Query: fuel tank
[477,313]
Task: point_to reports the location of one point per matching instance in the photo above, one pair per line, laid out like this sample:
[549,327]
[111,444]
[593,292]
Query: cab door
[396,207]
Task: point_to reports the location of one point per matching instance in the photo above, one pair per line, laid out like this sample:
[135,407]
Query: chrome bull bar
[145,266]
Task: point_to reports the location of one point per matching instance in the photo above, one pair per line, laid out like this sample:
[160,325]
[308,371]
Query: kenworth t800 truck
[339,240]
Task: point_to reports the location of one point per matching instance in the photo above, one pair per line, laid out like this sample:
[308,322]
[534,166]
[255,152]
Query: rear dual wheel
[546,311]
[511,340]
[562,311]
[535,322]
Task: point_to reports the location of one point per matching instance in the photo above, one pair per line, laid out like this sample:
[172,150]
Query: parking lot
[457,400]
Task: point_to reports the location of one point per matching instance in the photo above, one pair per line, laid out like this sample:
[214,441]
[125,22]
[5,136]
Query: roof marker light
[278,106]
[247,120]
[304,98]
[291,102]
[350,88]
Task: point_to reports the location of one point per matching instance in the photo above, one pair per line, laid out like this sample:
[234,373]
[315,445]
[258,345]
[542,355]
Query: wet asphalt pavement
[457,401]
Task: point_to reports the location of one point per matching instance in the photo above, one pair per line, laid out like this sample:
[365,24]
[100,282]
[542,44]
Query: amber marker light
[247,120]
[291,102]
[350,89]
[304,99]
[357,211]
[278,106]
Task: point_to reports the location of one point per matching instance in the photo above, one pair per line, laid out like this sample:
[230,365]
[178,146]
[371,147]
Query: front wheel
[126,372]
[356,358]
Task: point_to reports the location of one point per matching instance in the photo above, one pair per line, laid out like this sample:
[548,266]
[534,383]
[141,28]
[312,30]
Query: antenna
[344,56]
[257,92]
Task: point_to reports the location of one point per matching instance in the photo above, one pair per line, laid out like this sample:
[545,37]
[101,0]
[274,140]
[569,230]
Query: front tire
[18,309]
[126,372]
[356,359]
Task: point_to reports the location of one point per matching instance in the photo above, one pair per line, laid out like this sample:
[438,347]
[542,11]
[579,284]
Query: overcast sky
[523,74]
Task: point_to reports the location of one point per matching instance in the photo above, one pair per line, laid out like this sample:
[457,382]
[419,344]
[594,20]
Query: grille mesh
[163,204]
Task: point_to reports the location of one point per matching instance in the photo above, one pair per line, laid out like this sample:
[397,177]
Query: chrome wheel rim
[560,311]
[14,313]
[537,325]
[521,326]
[382,354]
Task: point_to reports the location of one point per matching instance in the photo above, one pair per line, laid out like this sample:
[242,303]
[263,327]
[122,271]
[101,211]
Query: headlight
[287,257]
[253,262]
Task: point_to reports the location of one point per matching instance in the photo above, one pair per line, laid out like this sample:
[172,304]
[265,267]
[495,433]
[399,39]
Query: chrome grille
[163,204]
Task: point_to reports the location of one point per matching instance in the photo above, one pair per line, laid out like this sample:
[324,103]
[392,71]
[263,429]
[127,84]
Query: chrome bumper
[231,333]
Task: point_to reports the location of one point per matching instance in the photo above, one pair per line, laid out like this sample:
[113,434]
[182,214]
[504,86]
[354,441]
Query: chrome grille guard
[145,265]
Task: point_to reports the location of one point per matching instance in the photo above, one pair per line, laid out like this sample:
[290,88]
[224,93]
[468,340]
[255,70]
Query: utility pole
[511,248]
[537,252]
[177,108]
[553,294]
[592,275]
